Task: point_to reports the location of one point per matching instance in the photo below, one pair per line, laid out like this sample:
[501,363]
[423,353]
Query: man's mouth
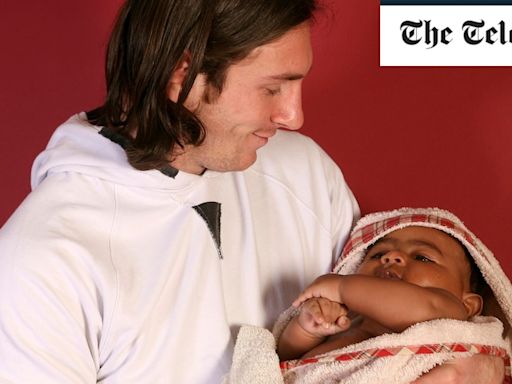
[265,134]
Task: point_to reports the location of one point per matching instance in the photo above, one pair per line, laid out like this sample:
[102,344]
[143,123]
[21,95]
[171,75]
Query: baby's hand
[321,317]
[327,286]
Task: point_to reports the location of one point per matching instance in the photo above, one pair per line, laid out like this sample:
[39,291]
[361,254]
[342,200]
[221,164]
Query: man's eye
[273,91]
[423,259]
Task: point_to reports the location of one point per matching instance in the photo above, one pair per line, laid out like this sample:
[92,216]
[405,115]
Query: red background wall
[402,136]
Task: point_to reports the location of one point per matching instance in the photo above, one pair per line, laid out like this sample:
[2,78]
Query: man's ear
[473,303]
[178,77]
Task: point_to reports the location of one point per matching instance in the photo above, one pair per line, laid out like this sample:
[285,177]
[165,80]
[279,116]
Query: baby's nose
[393,257]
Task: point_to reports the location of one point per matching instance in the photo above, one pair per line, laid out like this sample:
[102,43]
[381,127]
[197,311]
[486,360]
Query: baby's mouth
[389,274]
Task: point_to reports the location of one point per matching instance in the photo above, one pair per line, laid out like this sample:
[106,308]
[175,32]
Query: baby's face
[422,256]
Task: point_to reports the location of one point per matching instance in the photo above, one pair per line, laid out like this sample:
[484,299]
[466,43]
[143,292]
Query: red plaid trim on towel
[406,350]
[366,234]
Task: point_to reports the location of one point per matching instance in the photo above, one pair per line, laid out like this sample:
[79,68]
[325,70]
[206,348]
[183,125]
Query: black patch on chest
[210,212]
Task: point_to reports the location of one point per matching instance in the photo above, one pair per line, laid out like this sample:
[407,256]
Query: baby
[410,275]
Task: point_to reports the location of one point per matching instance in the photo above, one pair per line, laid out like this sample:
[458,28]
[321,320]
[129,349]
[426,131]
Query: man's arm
[47,335]
[393,303]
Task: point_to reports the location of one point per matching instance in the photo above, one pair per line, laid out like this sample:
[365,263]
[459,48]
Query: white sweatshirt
[113,275]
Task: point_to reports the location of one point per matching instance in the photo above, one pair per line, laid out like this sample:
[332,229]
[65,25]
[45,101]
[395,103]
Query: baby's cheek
[365,269]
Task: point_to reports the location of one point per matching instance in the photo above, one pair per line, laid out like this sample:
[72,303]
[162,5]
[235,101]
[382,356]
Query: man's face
[261,94]
[422,256]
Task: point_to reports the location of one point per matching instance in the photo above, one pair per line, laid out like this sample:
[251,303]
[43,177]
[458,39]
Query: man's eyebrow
[287,76]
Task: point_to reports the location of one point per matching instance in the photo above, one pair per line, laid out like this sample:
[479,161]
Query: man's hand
[478,369]
[322,317]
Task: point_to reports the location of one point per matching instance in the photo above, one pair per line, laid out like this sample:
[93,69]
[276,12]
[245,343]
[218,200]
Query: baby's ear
[473,303]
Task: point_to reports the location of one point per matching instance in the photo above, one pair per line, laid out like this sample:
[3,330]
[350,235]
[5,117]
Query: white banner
[446,35]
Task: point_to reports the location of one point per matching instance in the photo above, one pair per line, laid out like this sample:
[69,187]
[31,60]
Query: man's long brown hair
[150,38]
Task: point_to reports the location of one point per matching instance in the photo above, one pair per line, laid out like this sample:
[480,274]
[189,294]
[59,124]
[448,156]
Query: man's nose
[288,113]
[393,257]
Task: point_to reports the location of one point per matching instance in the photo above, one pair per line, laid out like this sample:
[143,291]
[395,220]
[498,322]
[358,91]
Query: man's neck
[186,162]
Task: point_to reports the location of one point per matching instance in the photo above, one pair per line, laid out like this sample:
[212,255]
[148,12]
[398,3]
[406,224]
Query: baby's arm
[318,318]
[395,304]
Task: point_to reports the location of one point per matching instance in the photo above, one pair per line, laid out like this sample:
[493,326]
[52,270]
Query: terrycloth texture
[386,363]
[255,360]
[392,358]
